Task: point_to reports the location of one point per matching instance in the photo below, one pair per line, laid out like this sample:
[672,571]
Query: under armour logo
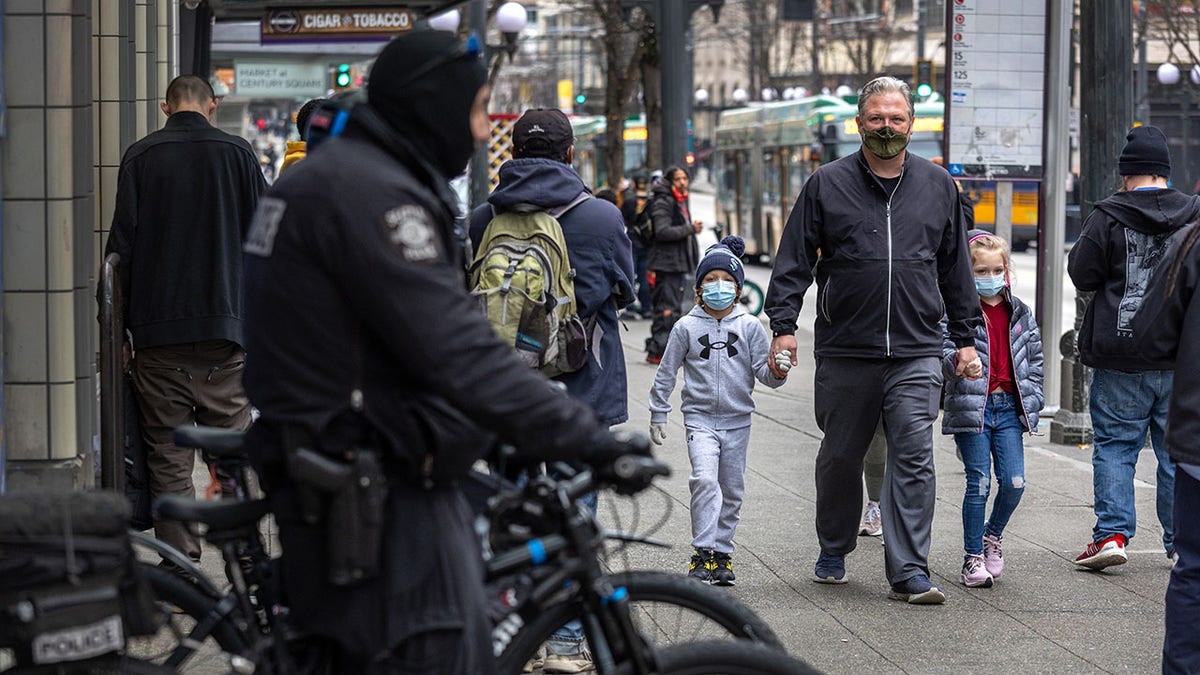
[727,345]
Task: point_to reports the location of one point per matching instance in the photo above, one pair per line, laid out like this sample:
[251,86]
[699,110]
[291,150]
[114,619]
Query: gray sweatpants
[717,483]
[850,396]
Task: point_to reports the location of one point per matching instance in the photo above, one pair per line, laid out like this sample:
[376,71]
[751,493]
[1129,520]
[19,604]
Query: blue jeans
[569,638]
[999,442]
[1181,644]
[1125,406]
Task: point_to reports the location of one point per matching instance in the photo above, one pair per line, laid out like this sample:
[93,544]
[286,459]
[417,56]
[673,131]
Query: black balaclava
[433,112]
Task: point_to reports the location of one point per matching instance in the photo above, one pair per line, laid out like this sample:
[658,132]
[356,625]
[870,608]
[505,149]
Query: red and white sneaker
[1104,553]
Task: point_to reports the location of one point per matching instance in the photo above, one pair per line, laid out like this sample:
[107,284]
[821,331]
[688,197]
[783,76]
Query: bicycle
[549,579]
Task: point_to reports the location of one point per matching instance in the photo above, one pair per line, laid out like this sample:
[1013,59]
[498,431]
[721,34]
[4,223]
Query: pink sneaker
[974,572]
[993,557]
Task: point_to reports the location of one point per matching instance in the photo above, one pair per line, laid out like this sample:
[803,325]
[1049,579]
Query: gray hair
[885,85]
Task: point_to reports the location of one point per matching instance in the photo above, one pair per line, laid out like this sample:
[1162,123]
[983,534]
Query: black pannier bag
[69,582]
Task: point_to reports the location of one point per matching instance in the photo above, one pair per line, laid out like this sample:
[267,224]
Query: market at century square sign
[342,23]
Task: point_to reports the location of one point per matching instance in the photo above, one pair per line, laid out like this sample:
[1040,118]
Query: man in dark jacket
[1123,243]
[1167,328]
[364,344]
[185,197]
[633,210]
[673,255]
[888,228]
[540,175]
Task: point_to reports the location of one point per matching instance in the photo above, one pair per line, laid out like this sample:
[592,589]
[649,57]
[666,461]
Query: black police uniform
[360,330]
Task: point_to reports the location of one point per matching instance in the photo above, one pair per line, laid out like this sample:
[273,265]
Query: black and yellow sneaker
[701,567]
[722,574]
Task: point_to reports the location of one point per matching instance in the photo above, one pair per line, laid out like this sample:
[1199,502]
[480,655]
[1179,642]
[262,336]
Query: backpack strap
[560,211]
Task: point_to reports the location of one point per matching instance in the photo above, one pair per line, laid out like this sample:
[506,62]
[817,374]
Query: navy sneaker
[917,591]
[830,569]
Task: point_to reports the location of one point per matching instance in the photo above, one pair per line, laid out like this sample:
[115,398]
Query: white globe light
[800,92]
[1168,73]
[1195,75]
[447,21]
[788,93]
[768,93]
[511,17]
[844,90]
[740,95]
[701,96]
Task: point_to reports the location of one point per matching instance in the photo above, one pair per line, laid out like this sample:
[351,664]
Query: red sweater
[999,350]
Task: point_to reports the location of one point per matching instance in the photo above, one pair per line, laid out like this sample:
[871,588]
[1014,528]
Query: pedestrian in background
[887,227]
[673,255]
[1122,245]
[722,350]
[1167,328]
[297,150]
[987,416]
[633,209]
[185,198]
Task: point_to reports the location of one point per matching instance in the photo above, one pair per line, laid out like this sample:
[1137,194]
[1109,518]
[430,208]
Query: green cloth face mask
[885,142]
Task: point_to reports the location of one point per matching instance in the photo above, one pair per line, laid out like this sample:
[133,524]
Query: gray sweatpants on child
[717,483]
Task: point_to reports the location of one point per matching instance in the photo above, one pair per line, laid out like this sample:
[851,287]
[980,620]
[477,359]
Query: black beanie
[1145,153]
[433,112]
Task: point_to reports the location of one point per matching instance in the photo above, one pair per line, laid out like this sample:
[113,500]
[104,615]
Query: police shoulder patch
[260,240]
[410,229]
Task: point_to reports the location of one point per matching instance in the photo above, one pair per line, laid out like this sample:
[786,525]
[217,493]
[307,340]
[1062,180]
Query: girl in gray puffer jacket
[988,415]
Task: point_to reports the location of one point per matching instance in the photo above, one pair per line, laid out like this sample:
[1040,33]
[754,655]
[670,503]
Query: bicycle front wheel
[723,658]
[666,609]
[753,297]
[194,627]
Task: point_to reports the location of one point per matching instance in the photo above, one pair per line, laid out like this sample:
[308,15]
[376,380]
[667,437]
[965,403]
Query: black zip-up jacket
[890,266]
[1123,242]
[674,248]
[1167,329]
[185,197]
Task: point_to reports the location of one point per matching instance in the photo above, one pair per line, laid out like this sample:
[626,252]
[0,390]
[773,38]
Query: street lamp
[740,96]
[510,19]
[701,96]
[1168,74]
[446,21]
[843,91]
[768,94]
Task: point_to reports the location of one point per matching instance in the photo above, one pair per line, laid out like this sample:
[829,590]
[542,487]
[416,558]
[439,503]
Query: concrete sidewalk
[1044,615]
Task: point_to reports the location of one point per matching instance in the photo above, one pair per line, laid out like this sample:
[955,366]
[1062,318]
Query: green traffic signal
[581,98]
[924,90]
[342,79]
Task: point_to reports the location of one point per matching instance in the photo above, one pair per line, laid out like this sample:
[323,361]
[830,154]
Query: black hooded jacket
[1124,241]
[674,248]
[1167,328]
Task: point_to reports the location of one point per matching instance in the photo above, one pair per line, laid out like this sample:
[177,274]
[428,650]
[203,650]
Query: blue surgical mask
[990,284]
[718,294]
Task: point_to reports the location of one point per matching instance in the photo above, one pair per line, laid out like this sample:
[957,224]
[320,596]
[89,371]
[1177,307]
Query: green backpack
[525,285]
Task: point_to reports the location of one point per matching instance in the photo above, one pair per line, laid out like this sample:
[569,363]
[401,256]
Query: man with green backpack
[553,268]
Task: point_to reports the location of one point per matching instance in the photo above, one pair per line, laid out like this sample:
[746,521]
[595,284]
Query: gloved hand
[658,432]
[783,361]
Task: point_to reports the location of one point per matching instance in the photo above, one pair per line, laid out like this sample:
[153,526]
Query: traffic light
[580,98]
[923,76]
[342,78]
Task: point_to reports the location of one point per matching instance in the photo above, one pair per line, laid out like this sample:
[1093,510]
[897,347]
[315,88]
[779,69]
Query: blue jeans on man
[1125,406]
[1000,442]
[568,640]
[1181,643]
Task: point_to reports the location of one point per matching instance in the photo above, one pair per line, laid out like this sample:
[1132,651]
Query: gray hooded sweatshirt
[721,358]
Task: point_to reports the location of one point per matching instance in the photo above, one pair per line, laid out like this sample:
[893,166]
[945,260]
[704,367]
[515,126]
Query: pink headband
[979,236]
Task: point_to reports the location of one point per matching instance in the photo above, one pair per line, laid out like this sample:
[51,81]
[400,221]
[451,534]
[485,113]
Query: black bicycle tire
[723,609]
[754,297]
[168,587]
[723,658]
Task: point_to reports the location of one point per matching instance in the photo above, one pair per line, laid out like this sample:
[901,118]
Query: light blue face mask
[718,294]
[990,284]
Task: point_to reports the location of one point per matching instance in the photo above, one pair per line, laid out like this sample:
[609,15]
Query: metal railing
[112,395]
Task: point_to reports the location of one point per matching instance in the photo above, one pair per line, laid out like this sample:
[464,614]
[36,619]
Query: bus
[765,152]
[589,148]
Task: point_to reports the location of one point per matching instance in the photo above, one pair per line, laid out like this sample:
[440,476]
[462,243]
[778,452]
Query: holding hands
[969,365]
[783,361]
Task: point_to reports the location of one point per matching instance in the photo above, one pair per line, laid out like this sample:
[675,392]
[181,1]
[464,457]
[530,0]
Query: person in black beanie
[368,351]
[1122,245]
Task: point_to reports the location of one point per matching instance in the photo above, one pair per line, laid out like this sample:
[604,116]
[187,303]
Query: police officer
[363,342]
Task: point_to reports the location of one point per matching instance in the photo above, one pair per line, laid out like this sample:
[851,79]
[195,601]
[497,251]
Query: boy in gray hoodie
[722,350]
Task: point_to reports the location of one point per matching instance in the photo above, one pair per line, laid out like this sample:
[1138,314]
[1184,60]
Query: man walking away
[634,211]
[1123,243]
[185,198]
